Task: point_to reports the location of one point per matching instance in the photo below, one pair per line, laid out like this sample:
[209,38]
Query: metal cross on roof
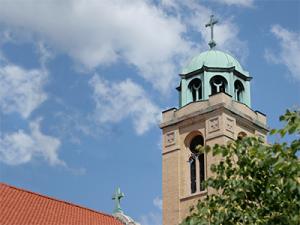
[211,24]
[117,197]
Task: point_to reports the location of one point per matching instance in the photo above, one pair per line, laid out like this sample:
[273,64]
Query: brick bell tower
[214,108]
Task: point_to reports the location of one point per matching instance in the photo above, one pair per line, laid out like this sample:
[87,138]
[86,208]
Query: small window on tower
[218,84]
[238,90]
[196,141]
[241,135]
[196,89]
[197,161]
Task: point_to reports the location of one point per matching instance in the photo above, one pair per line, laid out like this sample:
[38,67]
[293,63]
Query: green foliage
[254,183]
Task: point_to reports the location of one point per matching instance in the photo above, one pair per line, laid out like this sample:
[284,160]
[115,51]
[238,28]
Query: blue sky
[83,84]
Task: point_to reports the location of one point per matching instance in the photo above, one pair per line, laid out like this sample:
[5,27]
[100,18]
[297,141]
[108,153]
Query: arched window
[238,90]
[241,135]
[196,141]
[196,89]
[218,84]
[197,161]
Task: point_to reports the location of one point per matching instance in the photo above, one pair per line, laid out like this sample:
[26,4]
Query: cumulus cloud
[153,218]
[21,90]
[72,125]
[139,33]
[243,3]
[157,202]
[102,32]
[118,100]
[226,32]
[289,50]
[45,55]
[21,147]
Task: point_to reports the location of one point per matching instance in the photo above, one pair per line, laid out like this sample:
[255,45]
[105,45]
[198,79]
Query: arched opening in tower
[241,135]
[239,90]
[218,84]
[195,143]
[195,87]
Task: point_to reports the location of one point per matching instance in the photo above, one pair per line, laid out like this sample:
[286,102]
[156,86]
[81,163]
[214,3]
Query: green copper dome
[213,72]
[214,59]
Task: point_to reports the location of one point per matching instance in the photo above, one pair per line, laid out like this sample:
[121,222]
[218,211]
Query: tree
[255,183]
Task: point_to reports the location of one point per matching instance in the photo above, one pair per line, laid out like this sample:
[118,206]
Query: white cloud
[44,53]
[243,3]
[153,218]
[174,4]
[101,32]
[226,32]
[289,51]
[72,126]
[118,100]
[157,202]
[21,90]
[5,36]
[21,147]
[140,33]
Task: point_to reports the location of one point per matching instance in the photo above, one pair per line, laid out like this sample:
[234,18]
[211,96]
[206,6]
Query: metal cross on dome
[211,24]
[117,197]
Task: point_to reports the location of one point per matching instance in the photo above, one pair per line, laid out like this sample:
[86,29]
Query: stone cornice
[220,106]
[216,69]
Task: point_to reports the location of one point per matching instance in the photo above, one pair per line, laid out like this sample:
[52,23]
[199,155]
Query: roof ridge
[55,199]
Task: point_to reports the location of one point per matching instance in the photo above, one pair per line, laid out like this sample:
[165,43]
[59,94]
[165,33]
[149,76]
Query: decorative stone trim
[213,125]
[195,195]
[170,138]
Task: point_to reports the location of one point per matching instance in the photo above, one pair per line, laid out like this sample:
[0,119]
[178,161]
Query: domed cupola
[212,72]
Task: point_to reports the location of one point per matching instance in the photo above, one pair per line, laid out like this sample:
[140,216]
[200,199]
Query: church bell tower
[214,108]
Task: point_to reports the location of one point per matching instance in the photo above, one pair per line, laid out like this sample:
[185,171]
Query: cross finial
[211,24]
[117,197]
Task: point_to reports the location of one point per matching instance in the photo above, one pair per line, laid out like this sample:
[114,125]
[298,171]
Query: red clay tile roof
[21,207]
